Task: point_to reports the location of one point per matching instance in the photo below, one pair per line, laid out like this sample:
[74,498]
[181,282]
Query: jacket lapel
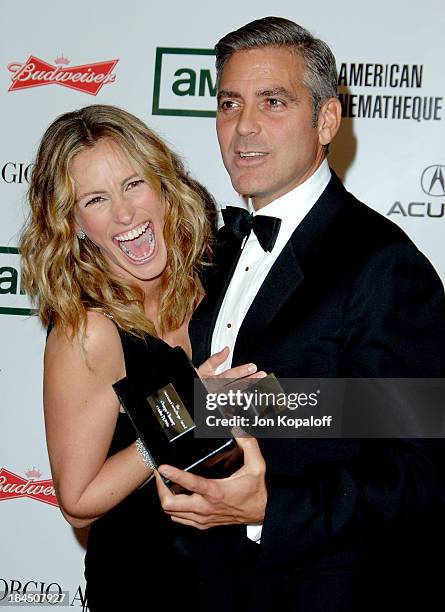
[288,272]
[226,255]
[285,277]
[283,280]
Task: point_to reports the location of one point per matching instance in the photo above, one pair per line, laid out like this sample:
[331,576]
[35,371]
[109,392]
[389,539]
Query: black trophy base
[160,404]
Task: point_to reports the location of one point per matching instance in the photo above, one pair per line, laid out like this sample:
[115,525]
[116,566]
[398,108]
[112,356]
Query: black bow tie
[240,223]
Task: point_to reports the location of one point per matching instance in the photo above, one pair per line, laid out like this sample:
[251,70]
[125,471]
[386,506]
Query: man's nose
[249,120]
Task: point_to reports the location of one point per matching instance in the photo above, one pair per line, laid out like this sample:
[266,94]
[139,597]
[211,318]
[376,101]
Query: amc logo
[185,82]
[13,300]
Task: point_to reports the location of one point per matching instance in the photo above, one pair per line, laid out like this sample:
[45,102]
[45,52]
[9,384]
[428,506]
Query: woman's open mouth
[138,244]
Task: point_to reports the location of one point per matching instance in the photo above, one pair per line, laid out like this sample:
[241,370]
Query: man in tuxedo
[338,291]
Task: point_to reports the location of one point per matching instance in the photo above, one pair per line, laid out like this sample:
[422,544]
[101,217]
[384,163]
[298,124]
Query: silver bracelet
[146,457]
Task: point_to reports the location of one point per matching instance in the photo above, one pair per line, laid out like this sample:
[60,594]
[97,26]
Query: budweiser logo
[89,78]
[12,486]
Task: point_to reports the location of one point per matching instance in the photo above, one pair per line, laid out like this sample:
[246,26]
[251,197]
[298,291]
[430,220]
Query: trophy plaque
[159,401]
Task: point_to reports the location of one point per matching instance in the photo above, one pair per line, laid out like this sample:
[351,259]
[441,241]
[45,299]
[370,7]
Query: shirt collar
[295,204]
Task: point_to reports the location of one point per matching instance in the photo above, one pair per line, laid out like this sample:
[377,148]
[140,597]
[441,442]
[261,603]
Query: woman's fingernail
[251,367]
[166,472]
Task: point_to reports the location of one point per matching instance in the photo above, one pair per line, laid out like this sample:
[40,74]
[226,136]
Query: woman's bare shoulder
[102,347]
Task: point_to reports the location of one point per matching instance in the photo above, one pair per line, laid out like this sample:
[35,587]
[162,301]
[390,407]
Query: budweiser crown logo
[88,78]
[61,60]
[33,474]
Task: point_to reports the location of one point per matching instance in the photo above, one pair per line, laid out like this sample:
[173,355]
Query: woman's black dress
[135,553]
[138,559]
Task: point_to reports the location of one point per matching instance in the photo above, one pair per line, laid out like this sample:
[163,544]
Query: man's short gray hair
[320,71]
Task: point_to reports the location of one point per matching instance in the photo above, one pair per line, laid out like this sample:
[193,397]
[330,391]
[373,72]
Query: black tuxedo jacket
[350,524]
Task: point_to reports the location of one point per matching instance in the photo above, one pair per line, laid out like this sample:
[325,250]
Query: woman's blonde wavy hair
[65,276]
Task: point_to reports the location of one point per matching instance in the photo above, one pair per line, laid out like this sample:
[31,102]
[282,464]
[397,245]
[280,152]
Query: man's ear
[329,120]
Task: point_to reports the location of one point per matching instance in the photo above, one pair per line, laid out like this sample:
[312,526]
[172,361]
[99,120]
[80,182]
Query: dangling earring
[81,235]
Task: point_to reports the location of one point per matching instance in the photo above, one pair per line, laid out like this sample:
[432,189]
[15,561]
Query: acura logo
[433,180]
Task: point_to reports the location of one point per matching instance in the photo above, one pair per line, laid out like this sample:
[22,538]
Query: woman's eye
[94,200]
[135,183]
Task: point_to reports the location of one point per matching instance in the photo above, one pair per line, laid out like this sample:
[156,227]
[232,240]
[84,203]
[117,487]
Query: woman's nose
[123,210]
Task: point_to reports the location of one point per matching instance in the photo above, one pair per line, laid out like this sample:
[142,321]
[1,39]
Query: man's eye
[274,102]
[227,105]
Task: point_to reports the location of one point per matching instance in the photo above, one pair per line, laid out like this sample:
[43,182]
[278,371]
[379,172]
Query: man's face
[265,124]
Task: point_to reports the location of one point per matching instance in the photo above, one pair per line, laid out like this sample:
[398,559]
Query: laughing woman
[113,249]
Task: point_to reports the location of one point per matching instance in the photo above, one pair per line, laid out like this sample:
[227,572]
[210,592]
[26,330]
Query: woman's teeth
[134,233]
[138,244]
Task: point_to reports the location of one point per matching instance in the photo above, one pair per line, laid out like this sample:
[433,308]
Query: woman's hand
[233,379]
[209,367]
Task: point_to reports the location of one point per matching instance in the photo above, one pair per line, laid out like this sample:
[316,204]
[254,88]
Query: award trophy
[160,404]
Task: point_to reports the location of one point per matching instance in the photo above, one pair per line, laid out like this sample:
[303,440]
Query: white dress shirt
[255,263]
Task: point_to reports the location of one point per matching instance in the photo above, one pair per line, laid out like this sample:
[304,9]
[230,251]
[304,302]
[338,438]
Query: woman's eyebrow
[97,191]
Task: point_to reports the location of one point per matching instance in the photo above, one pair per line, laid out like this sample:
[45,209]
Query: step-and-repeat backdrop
[156,60]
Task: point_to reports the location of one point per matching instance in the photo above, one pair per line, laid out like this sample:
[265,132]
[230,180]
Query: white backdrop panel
[380,159]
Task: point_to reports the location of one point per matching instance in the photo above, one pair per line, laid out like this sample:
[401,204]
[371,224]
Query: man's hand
[239,499]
